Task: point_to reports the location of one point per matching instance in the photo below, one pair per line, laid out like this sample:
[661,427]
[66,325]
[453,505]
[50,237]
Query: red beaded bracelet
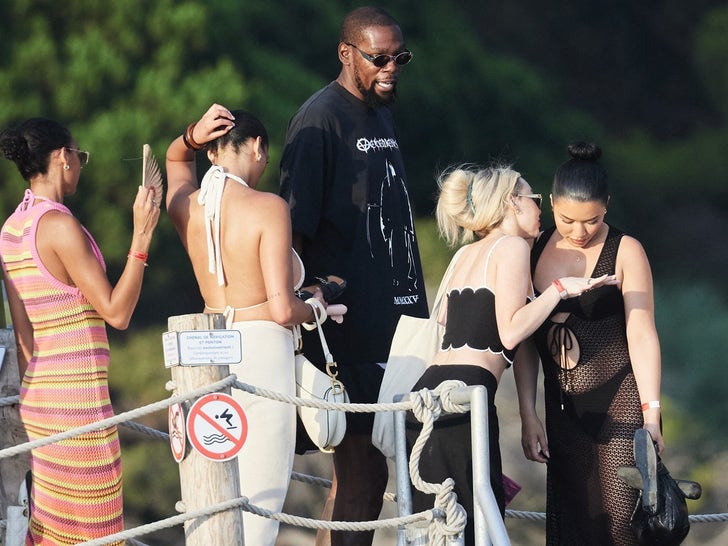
[189,139]
[141,256]
[563,293]
[651,404]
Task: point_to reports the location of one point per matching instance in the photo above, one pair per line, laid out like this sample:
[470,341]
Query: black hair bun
[13,145]
[584,151]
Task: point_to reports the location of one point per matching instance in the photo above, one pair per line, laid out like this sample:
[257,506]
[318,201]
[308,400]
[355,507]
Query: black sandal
[646,459]
[331,287]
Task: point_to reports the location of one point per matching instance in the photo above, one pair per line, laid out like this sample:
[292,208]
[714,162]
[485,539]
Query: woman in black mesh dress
[601,361]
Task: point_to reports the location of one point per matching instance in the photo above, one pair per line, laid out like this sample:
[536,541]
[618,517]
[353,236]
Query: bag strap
[332,368]
[443,284]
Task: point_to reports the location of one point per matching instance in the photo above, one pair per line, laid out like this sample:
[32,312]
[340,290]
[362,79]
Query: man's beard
[371,97]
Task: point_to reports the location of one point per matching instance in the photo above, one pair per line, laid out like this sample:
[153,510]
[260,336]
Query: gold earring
[66,167]
[258,158]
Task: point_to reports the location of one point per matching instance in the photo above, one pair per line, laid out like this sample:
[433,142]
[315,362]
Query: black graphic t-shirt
[343,175]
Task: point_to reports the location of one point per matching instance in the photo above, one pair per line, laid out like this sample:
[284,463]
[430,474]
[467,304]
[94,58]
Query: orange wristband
[141,256]
[651,404]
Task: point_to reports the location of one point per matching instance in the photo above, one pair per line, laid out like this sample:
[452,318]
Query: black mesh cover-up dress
[592,411]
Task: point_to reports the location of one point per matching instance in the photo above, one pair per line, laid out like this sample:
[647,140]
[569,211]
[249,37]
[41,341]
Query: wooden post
[12,432]
[204,482]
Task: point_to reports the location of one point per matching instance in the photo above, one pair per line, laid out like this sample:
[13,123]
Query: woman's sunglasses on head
[535,196]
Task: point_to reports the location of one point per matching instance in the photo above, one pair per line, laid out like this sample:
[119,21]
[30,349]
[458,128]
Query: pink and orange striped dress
[77,493]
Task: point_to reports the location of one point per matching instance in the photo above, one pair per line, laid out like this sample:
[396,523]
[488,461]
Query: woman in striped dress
[60,299]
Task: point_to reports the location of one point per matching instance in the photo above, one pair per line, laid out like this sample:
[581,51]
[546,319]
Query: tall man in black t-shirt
[343,175]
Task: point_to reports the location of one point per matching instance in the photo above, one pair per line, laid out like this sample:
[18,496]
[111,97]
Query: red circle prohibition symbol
[217,427]
[177,433]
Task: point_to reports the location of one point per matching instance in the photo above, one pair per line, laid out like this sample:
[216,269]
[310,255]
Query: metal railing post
[401,466]
[489,524]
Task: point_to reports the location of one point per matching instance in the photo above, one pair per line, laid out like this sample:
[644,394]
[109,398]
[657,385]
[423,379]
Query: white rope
[373,525]
[166,523]
[541,516]
[152,527]
[133,542]
[426,407]
[242,502]
[323,482]
[117,419]
[321,404]
[708,518]
[10,400]
[520,514]
[153,432]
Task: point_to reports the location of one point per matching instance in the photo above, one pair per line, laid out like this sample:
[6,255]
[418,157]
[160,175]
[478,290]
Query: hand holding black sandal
[661,514]
[331,287]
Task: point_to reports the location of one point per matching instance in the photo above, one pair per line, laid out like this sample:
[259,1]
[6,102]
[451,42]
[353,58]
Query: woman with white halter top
[239,242]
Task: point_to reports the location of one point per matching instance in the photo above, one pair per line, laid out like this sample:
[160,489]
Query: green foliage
[125,73]
[692,324]
[711,51]
[665,169]
[434,253]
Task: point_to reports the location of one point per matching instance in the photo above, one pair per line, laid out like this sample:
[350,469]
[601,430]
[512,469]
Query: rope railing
[313,524]
[323,482]
[541,516]
[117,419]
[9,400]
[149,431]
[244,504]
[427,406]
[351,407]
[445,519]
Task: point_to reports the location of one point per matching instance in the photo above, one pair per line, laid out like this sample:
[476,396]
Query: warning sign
[217,426]
[177,434]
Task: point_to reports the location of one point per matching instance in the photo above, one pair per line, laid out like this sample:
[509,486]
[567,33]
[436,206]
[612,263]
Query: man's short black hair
[358,20]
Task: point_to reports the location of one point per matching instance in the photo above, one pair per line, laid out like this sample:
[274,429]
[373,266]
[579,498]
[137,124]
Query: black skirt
[448,451]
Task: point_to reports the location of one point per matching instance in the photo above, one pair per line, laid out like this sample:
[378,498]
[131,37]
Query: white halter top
[210,196]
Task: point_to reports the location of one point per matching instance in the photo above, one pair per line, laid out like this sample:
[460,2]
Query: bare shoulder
[62,234]
[510,250]
[266,203]
[256,211]
[179,205]
[60,225]
[510,245]
[632,261]
[631,249]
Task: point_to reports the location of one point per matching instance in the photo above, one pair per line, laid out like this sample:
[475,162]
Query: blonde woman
[495,214]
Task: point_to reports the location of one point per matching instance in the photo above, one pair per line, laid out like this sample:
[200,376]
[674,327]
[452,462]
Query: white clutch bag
[326,428]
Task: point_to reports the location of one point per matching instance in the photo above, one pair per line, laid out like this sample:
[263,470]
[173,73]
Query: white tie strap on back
[210,196]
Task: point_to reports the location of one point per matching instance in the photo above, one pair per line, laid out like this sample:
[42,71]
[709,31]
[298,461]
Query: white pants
[266,459]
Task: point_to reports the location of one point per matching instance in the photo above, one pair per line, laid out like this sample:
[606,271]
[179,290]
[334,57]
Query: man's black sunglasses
[382,60]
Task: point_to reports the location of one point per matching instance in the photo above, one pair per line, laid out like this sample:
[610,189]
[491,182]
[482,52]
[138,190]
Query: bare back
[254,236]
[475,276]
